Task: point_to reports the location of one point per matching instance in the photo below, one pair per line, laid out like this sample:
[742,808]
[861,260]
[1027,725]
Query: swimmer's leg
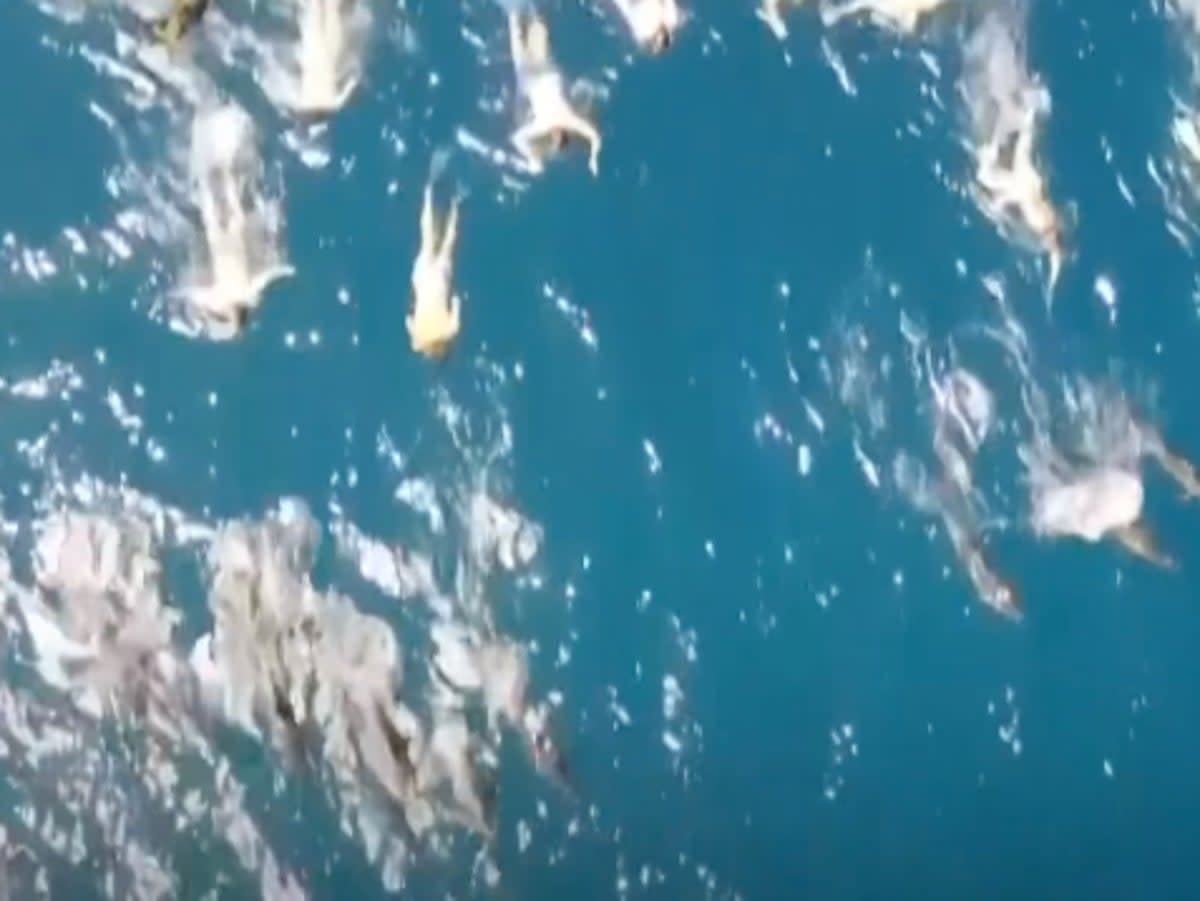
[524,139]
[537,41]
[1139,541]
[576,123]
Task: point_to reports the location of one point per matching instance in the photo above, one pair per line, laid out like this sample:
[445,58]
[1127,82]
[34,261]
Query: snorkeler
[184,16]
[551,118]
[434,320]
[653,23]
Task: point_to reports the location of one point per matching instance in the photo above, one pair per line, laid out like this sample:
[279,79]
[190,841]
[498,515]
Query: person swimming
[184,16]
[551,118]
[1010,182]
[435,318]
[653,23]
[326,57]
[958,432]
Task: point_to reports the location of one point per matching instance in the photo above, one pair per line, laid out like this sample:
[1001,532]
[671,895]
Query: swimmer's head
[1008,600]
[660,41]
[560,139]
[313,116]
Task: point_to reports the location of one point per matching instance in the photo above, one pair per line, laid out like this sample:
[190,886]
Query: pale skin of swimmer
[322,46]
[1023,187]
[1107,505]
[184,16]
[652,22]
[435,319]
[903,15]
[234,288]
[552,120]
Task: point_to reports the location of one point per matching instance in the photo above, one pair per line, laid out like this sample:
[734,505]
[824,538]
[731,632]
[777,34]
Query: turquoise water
[853,724]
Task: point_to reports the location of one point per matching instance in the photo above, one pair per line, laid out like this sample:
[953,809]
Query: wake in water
[241,227]
[1006,108]
[408,755]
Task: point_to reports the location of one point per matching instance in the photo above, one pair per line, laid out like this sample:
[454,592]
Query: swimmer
[184,16]
[1021,186]
[902,15]
[551,119]
[653,23]
[1139,540]
[328,72]
[434,320]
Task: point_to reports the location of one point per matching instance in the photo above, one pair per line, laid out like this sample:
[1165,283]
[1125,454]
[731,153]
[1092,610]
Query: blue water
[845,707]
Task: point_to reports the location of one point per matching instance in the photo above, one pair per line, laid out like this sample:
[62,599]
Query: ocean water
[689,378]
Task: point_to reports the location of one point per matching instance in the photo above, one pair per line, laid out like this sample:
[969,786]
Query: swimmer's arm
[428,238]
[586,130]
[515,39]
[523,139]
[449,238]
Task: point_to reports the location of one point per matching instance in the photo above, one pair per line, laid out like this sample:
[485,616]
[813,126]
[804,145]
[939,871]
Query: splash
[241,225]
[100,775]
[1006,107]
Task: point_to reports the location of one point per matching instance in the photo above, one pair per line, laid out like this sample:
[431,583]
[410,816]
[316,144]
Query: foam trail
[241,226]
[101,634]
